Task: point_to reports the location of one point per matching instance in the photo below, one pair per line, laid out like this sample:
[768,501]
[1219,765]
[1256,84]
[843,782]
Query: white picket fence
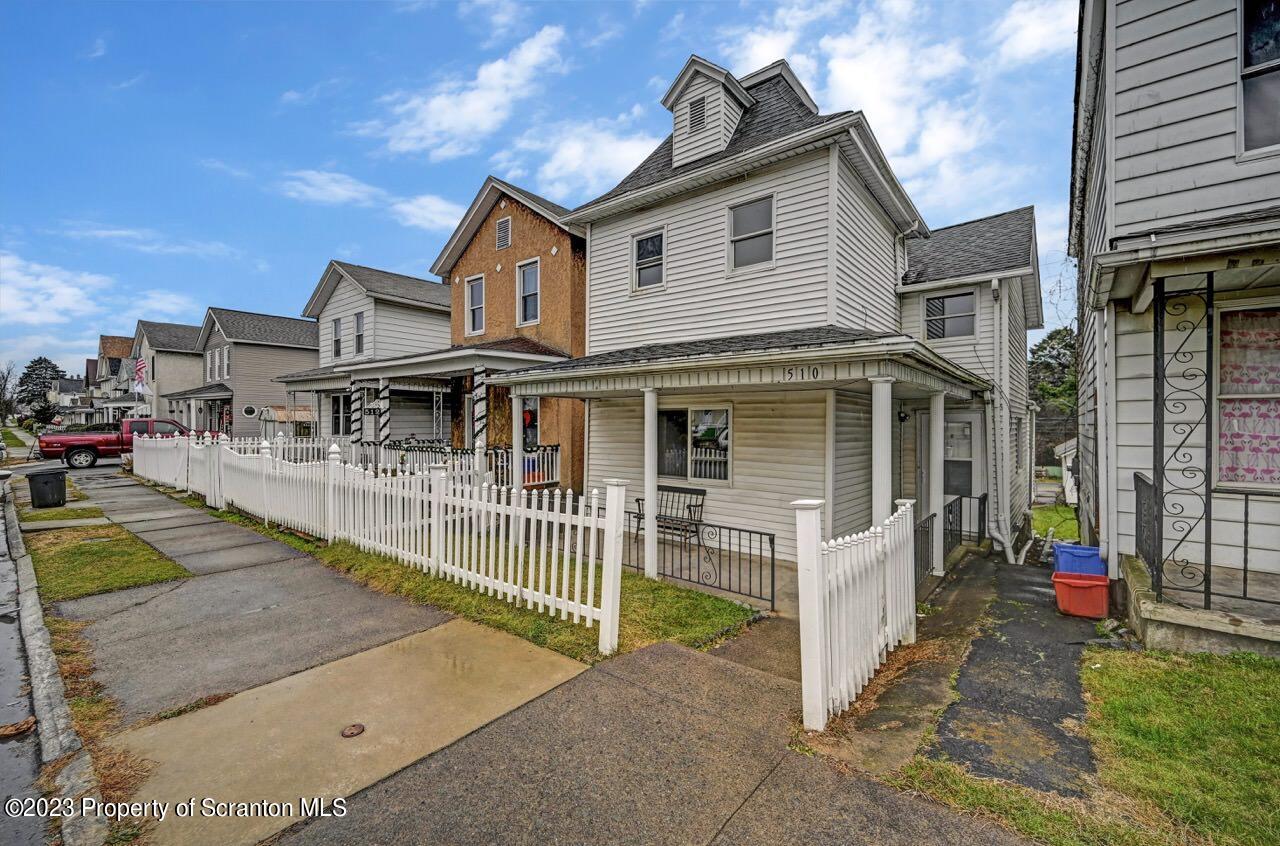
[857,604]
[555,552]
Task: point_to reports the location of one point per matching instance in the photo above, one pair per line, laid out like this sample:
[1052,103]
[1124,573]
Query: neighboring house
[242,352]
[114,398]
[172,363]
[71,396]
[1175,221]
[1066,453]
[769,319]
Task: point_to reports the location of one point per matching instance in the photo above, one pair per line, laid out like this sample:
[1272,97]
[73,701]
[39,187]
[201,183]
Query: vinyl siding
[1175,144]
[1016,388]
[1135,372]
[701,299]
[866,260]
[851,467]
[253,367]
[412,415]
[779,450]
[976,353]
[712,138]
[347,299]
[1087,441]
[403,330]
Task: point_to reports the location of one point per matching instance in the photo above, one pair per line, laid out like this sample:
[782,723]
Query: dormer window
[698,114]
[504,233]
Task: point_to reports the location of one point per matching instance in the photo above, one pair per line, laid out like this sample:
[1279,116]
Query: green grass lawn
[1198,736]
[36,515]
[70,563]
[11,440]
[1060,518]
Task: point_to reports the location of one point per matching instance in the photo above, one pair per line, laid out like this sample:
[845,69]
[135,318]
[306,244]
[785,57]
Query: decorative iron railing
[924,549]
[727,558]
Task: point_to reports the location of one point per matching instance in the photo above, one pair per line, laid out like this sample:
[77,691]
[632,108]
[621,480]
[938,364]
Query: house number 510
[801,374]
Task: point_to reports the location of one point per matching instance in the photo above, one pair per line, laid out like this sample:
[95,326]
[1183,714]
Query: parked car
[83,449]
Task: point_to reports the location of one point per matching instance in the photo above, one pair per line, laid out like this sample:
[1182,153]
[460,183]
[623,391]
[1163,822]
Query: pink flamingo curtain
[1249,384]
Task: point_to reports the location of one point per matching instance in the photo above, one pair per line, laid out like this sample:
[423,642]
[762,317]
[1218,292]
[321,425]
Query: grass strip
[87,560]
[38,515]
[11,440]
[1060,518]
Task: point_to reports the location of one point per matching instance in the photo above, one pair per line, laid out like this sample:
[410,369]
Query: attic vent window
[698,114]
[504,233]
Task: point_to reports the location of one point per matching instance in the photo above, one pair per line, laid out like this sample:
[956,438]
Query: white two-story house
[1175,220]
[769,319]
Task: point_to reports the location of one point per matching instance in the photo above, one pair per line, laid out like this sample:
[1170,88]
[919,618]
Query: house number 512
[801,374]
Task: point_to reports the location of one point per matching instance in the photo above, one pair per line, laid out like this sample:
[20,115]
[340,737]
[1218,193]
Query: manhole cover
[353,730]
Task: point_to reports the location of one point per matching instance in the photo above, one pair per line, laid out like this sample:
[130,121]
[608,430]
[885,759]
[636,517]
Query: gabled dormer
[706,102]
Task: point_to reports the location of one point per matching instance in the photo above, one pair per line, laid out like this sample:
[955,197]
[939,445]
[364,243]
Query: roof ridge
[263,313]
[380,270]
[936,230]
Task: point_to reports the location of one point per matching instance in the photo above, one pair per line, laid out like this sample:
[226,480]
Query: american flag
[140,370]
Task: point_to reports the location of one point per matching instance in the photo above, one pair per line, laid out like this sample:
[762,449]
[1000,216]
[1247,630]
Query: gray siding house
[172,364]
[242,352]
[769,319]
[1175,221]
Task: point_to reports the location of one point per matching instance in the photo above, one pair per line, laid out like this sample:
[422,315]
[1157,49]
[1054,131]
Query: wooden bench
[679,509]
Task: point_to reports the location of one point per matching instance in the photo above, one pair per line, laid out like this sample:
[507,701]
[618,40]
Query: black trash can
[48,488]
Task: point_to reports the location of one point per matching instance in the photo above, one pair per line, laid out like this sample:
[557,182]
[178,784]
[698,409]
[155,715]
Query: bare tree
[8,389]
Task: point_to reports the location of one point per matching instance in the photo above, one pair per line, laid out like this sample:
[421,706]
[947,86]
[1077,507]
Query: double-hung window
[648,256]
[359,332]
[529,286]
[1249,396]
[475,305]
[208,365]
[337,337]
[226,362]
[951,316]
[751,233]
[694,443]
[1260,74]
[340,414]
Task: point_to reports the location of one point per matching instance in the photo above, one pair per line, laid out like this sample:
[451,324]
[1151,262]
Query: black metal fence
[727,558]
[963,519]
[924,548]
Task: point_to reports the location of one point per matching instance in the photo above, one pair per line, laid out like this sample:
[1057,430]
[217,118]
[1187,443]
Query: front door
[964,462]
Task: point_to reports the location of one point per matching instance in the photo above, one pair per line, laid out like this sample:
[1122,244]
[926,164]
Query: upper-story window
[359,332]
[951,316]
[504,233]
[337,337]
[208,365]
[1260,73]
[697,114]
[648,258]
[751,233]
[529,286]
[226,362]
[1248,364]
[475,305]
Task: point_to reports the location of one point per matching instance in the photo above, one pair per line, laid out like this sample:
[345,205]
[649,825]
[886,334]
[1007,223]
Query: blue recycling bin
[1073,558]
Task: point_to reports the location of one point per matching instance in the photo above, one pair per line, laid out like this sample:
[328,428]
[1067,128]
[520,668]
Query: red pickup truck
[83,449]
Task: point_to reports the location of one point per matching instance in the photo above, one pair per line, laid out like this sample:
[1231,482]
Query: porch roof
[327,373]
[215,391]
[507,354]
[799,359]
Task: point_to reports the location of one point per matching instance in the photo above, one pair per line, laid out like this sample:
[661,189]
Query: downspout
[999,527]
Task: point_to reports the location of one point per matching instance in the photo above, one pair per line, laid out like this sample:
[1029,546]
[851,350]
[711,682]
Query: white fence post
[812,583]
[904,565]
[435,559]
[615,498]
[264,456]
[332,467]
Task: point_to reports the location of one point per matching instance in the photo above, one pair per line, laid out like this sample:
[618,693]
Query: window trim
[357,323]
[466,305]
[335,343]
[636,288]
[1219,308]
[688,408]
[343,401]
[226,362]
[1242,153]
[730,270]
[520,295]
[942,294]
[497,229]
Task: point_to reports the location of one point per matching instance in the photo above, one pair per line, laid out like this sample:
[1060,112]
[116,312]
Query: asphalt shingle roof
[398,285]
[201,390]
[70,386]
[777,113]
[987,245]
[267,328]
[177,337]
[818,336]
[327,370]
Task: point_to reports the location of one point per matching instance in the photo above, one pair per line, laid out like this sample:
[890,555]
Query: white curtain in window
[1249,384]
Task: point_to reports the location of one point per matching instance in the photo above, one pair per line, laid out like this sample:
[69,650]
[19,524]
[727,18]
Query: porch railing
[963,519]
[924,549]
[728,558]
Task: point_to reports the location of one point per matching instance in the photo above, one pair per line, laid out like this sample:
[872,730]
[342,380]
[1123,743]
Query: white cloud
[329,188]
[295,97]
[128,83]
[1033,29]
[165,303]
[429,212]
[98,49]
[777,36]
[36,294]
[579,159]
[224,167]
[674,28]
[68,352]
[499,17]
[609,31]
[454,117]
[149,241]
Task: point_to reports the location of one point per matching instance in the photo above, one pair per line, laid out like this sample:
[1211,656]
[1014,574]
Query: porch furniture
[679,509]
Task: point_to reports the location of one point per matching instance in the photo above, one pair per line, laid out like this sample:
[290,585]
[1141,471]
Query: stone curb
[58,736]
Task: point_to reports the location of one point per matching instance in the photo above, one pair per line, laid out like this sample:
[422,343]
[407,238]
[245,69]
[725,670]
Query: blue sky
[159,158]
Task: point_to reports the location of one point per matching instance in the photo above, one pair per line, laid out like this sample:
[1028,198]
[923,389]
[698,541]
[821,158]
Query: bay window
[1249,396]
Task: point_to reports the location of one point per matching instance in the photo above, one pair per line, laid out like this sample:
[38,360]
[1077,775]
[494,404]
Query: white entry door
[964,461]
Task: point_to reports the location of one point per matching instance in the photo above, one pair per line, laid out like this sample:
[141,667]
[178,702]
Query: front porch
[753,424]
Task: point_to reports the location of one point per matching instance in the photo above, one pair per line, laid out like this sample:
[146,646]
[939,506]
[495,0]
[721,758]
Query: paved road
[255,611]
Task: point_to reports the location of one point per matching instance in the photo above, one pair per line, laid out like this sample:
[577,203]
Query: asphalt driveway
[256,610]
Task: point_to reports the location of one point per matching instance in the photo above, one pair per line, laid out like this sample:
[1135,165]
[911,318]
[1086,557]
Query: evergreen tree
[35,381]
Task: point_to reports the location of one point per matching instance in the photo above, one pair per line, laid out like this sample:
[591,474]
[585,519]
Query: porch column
[517,442]
[357,412]
[881,449]
[191,414]
[479,413]
[651,483]
[384,411]
[937,428]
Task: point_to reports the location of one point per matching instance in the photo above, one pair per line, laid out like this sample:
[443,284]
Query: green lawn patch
[1060,518]
[71,563]
[36,515]
[11,440]
[1196,735]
